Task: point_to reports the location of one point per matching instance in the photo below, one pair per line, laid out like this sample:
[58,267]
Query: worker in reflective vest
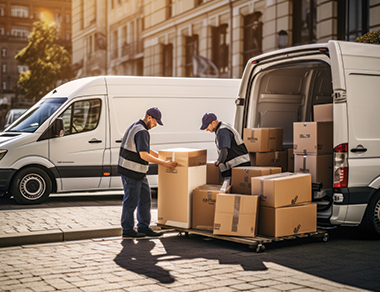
[231,148]
[134,157]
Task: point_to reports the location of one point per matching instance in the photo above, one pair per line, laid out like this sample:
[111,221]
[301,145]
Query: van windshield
[36,115]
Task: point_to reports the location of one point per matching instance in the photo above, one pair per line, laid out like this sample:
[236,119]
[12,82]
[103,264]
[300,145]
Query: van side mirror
[56,129]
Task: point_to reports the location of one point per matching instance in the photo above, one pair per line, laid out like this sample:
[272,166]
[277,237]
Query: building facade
[16,23]
[205,38]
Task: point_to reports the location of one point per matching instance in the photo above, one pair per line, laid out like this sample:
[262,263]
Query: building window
[253,35]
[3,52]
[353,19]
[4,85]
[4,68]
[1,11]
[2,31]
[20,32]
[220,48]
[68,37]
[191,50]
[167,61]
[20,11]
[67,18]
[57,18]
[304,21]
[22,68]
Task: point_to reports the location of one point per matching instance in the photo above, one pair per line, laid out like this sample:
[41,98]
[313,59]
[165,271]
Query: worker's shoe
[133,234]
[150,232]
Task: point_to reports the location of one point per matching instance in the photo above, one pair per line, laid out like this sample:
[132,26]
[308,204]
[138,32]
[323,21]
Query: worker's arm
[150,158]
[154,153]
[222,156]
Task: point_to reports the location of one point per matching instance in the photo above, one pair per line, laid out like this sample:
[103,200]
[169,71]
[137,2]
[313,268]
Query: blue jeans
[136,194]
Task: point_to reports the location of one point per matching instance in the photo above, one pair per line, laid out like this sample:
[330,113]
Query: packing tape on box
[209,195]
[235,217]
[272,177]
[304,169]
[245,183]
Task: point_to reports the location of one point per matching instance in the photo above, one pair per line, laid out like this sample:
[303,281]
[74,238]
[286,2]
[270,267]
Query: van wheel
[371,219]
[31,185]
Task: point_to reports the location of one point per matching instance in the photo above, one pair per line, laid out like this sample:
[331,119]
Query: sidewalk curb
[59,235]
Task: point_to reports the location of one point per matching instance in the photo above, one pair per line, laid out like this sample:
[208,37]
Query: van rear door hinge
[340,95]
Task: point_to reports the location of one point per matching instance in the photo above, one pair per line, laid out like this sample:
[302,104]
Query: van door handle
[94,140]
[358,148]
[118,141]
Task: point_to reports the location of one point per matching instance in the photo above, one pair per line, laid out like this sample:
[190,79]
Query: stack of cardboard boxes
[313,146]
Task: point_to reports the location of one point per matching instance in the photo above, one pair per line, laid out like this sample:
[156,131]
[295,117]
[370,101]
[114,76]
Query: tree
[372,37]
[48,62]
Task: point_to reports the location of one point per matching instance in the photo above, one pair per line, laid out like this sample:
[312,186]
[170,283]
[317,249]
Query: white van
[94,113]
[281,87]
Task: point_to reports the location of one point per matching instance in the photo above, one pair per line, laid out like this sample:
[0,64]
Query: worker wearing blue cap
[231,148]
[134,157]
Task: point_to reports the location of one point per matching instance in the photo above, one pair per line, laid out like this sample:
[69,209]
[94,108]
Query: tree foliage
[48,62]
[372,37]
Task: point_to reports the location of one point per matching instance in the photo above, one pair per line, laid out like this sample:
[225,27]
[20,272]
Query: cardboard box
[276,158]
[236,215]
[313,138]
[290,160]
[263,139]
[288,220]
[284,189]
[184,156]
[214,176]
[324,112]
[241,177]
[175,186]
[319,166]
[204,198]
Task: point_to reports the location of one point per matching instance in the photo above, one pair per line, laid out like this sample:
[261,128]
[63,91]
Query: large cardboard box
[175,186]
[185,157]
[236,215]
[214,176]
[204,198]
[319,166]
[263,139]
[275,158]
[313,138]
[287,221]
[284,189]
[324,112]
[290,160]
[241,177]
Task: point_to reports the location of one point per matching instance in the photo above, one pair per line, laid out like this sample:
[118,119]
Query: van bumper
[5,179]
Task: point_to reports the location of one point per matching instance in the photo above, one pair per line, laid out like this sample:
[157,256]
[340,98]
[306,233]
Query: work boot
[150,232]
[133,234]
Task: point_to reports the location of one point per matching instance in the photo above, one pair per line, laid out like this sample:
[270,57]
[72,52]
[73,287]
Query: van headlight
[2,153]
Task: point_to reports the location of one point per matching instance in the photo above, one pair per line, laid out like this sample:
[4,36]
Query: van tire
[371,220]
[31,185]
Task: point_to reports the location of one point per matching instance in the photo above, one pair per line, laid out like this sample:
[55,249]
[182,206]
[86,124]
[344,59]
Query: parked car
[13,115]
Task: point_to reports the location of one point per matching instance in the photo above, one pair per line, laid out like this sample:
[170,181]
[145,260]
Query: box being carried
[204,198]
[313,138]
[175,186]
[241,177]
[287,221]
[236,215]
[284,189]
[263,139]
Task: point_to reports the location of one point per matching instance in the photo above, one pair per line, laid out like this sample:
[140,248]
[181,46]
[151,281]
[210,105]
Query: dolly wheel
[325,237]
[260,248]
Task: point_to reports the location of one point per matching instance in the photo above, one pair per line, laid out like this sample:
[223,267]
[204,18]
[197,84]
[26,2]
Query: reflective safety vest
[130,163]
[238,154]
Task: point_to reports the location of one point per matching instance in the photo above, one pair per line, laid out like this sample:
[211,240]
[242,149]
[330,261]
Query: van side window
[81,116]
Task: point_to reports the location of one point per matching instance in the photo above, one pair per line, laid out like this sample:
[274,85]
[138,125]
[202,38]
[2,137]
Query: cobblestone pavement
[169,263]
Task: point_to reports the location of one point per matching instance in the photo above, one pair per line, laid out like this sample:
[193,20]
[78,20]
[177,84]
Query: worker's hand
[170,164]
[216,163]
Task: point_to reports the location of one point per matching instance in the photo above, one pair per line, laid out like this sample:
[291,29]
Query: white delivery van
[69,141]
[281,87]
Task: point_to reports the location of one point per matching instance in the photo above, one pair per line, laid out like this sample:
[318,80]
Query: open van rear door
[356,82]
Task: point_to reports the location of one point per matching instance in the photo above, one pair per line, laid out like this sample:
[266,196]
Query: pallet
[256,243]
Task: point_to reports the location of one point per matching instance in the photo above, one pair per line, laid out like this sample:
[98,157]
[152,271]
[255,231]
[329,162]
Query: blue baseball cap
[207,119]
[154,112]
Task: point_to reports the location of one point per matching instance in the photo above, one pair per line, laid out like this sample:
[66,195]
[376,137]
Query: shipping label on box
[214,177]
[236,215]
[324,112]
[241,177]
[204,198]
[313,138]
[263,139]
[284,189]
[276,158]
[319,166]
[288,221]
[175,187]
[185,157]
